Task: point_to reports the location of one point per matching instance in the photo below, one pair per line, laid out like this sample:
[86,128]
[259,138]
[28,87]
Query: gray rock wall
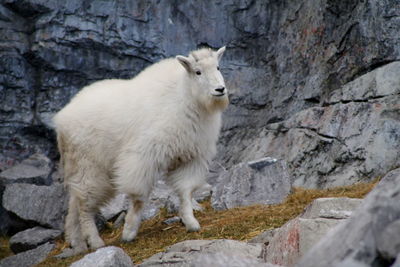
[283,57]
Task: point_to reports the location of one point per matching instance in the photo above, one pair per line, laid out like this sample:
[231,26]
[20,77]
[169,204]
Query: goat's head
[206,81]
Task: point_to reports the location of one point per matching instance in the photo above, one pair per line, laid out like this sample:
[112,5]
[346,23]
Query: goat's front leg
[132,220]
[185,180]
[186,211]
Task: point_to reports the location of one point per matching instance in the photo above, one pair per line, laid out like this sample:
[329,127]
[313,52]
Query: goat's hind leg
[96,190]
[73,233]
[88,225]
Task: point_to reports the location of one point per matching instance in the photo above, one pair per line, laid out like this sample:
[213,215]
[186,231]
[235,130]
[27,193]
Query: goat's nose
[220,90]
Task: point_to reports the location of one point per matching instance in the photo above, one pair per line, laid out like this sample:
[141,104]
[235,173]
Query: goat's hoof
[98,243]
[128,237]
[193,226]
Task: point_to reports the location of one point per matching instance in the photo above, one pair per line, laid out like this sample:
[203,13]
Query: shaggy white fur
[122,135]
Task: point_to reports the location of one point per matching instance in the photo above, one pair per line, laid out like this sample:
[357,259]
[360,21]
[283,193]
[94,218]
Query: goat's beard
[217,103]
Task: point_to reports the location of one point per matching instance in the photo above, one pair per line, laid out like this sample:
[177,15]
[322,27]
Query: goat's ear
[220,52]
[185,62]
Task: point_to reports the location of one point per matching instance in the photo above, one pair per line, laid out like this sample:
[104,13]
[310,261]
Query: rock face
[187,253]
[341,143]
[283,57]
[286,245]
[313,83]
[105,257]
[363,238]
[263,181]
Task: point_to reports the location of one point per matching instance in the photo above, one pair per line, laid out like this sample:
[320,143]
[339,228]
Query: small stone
[261,163]
[172,220]
[120,220]
[32,238]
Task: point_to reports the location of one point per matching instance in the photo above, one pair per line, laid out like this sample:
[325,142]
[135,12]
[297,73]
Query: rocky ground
[313,84]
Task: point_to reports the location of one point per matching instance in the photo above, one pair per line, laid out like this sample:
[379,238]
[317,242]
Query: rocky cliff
[293,69]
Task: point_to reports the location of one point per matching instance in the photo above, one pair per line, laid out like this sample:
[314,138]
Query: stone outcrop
[287,244]
[363,238]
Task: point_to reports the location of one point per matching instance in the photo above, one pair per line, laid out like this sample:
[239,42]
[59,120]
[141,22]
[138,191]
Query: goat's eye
[218,68]
[198,72]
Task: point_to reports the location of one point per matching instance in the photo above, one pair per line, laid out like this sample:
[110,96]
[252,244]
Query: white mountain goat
[122,135]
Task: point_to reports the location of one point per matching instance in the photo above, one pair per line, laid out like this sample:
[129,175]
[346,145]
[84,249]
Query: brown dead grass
[240,224]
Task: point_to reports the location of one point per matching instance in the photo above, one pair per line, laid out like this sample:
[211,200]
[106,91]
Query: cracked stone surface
[344,142]
[263,181]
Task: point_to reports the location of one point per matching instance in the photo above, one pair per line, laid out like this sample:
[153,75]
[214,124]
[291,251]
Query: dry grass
[4,248]
[240,224]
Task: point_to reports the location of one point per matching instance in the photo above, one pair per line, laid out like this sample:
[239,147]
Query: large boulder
[186,253]
[42,205]
[363,239]
[286,245]
[105,257]
[263,181]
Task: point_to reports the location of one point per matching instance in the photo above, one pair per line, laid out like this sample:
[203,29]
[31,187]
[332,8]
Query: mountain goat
[122,135]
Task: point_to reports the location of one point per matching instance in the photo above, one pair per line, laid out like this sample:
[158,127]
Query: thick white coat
[122,135]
